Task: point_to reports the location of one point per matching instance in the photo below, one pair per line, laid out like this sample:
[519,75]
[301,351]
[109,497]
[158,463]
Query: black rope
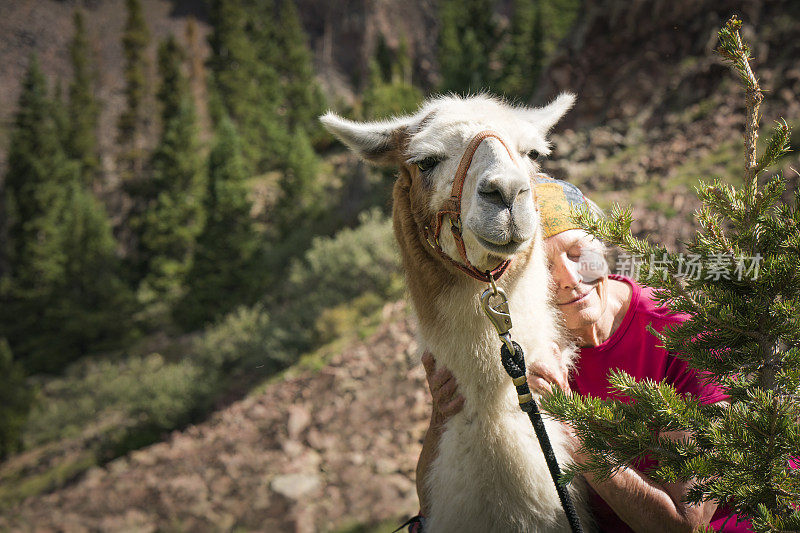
[412,521]
[515,366]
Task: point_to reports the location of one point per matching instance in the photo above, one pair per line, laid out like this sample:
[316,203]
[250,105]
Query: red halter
[452,208]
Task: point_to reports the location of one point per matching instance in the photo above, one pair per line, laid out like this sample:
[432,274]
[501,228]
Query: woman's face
[579,274]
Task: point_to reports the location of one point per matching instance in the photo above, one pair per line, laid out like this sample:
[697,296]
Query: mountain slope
[315,451]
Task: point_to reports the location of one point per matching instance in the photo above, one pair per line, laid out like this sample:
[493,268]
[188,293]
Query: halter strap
[452,208]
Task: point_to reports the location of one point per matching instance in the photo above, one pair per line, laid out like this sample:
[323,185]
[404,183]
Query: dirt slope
[315,452]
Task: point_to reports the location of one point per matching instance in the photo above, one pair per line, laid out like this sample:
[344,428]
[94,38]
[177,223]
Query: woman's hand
[543,374]
[446,403]
[444,391]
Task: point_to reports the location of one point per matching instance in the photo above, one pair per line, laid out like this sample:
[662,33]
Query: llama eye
[533,155]
[427,164]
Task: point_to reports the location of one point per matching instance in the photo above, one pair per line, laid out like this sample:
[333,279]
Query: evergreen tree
[92,307]
[743,332]
[244,82]
[170,223]
[468,39]
[132,129]
[384,57]
[59,107]
[300,202]
[403,70]
[132,123]
[392,94]
[61,296]
[37,174]
[389,92]
[83,110]
[523,53]
[559,16]
[198,78]
[15,402]
[302,97]
[226,271]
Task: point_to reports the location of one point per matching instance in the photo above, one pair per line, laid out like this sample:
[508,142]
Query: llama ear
[382,142]
[546,117]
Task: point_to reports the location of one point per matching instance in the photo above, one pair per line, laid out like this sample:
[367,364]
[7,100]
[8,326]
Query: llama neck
[452,324]
[463,339]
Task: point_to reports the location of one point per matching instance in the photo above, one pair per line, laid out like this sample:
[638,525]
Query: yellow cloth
[555,208]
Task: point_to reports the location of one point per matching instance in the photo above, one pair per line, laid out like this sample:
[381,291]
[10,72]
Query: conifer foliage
[61,297]
[244,81]
[301,195]
[302,97]
[173,217]
[82,109]
[478,53]
[15,400]
[523,56]
[390,91]
[468,42]
[133,121]
[743,331]
[225,271]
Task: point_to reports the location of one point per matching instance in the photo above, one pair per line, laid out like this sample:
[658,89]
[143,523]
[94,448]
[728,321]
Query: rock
[320,440]
[292,448]
[295,486]
[385,465]
[299,420]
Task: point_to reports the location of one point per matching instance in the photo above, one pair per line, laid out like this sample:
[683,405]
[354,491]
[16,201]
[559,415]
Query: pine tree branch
[734,50]
[743,333]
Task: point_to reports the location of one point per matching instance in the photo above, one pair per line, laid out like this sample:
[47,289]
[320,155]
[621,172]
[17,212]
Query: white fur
[490,473]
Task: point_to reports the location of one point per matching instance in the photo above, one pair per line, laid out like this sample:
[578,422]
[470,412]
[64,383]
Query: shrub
[337,282]
[15,401]
[354,261]
[112,400]
[245,339]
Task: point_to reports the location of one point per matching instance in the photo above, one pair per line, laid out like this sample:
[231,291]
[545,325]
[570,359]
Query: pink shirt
[635,350]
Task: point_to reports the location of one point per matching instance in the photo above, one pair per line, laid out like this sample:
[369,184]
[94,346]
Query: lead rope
[514,362]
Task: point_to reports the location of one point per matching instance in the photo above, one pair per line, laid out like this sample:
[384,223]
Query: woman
[607,316]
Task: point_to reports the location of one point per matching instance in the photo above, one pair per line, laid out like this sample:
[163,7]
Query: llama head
[498,217]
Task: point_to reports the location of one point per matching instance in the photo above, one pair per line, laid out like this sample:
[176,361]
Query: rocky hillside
[319,450]
[657,110]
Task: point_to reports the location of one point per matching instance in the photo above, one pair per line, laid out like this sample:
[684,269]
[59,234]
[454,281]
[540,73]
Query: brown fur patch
[391,150]
[427,274]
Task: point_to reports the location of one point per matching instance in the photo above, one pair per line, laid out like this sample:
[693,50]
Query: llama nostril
[498,192]
[492,195]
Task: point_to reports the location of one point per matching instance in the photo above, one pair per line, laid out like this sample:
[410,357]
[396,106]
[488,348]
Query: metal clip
[506,338]
[498,314]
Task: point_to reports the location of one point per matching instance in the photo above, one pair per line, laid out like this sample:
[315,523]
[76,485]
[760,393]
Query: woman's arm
[643,504]
[647,506]
[446,403]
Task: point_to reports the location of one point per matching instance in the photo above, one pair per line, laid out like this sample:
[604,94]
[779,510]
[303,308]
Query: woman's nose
[565,273]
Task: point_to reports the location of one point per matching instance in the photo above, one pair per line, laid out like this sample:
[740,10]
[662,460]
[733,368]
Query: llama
[489,473]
